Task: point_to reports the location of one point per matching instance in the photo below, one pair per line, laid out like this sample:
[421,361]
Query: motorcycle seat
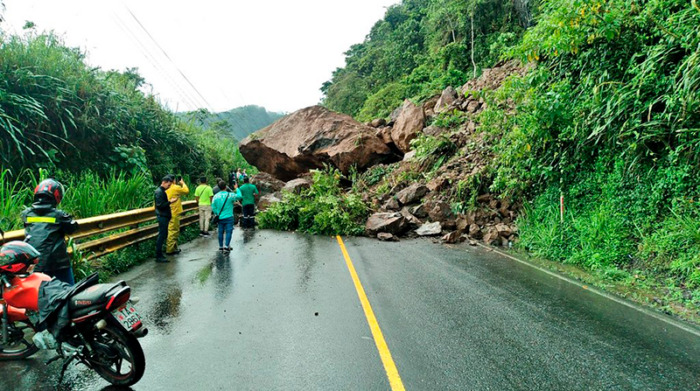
[93,298]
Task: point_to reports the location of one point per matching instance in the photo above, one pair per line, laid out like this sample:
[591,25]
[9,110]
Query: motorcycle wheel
[125,350]
[21,345]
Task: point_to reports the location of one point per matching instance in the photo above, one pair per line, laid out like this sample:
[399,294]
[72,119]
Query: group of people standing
[215,205]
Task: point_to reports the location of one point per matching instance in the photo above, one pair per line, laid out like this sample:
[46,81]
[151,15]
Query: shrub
[432,151]
[322,209]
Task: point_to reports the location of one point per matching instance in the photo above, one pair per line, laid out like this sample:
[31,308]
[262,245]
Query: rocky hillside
[414,196]
[604,123]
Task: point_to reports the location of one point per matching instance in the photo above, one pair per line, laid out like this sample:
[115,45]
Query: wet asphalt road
[281,313]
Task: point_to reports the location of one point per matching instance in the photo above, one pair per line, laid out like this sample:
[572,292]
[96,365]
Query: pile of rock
[491,222]
[314,136]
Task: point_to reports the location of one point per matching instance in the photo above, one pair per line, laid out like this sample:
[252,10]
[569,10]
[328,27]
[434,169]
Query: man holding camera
[177,190]
[163,214]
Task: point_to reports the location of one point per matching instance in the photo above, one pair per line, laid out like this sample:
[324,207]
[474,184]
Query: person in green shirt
[204,194]
[249,194]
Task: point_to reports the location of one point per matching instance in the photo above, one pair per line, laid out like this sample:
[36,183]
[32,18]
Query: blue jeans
[225,225]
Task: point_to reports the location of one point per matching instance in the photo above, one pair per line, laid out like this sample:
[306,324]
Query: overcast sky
[273,53]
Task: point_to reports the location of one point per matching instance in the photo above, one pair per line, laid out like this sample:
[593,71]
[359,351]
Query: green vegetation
[238,122]
[86,194]
[432,152]
[608,117]
[56,112]
[97,133]
[323,209]
[611,121]
[418,49]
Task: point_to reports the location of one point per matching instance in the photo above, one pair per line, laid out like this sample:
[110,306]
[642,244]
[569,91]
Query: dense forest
[607,117]
[239,122]
[421,47]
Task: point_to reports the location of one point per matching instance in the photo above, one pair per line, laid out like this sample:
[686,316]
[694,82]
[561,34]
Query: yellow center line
[391,372]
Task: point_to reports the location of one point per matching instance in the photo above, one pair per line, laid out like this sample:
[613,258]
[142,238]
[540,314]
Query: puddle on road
[306,262]
[220,268]
[166,308]
[248,235]
[204,273]
[223,279]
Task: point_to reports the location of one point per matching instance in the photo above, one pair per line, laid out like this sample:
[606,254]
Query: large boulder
[266,183]
[297,185]
[411,194]
[429,229]
[409,123]
[446,101]
[378,122]
[310,138]
[267,200]
[393,223]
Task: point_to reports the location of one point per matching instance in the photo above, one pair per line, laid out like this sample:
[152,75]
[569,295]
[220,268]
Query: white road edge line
[617,299]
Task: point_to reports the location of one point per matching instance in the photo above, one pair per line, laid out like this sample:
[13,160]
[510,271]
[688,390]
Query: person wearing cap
[177,190]
[163,214]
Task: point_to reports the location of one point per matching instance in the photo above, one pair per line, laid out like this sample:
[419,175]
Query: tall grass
[14,195]
[87,194]
[57,112]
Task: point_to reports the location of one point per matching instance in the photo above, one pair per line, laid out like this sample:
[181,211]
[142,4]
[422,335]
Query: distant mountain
[240,122]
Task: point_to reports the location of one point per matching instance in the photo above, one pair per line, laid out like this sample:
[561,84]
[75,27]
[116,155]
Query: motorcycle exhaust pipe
[140,333]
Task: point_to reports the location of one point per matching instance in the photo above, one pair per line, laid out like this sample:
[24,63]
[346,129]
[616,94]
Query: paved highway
[283,312]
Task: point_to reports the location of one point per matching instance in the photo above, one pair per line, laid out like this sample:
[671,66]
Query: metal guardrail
[135,220]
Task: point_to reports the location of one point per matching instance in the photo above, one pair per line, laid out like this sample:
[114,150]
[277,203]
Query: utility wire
[168,57]
[218,115]
[154,62]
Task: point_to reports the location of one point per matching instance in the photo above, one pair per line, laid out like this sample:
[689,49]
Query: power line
[168,57]
[182,74]
[154,62]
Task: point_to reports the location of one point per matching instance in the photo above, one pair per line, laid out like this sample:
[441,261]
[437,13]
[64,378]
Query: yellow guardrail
[137,221]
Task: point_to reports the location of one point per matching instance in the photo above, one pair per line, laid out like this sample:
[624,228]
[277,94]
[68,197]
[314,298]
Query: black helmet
[50,190]
[16,257]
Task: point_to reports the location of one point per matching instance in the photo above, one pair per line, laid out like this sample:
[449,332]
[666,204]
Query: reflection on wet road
[281,313]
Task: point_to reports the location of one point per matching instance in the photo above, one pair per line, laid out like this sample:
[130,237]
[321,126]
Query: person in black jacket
[46,228]
[163,214]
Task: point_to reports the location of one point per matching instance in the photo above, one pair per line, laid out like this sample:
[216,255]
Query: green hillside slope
[240,122]
[607,117]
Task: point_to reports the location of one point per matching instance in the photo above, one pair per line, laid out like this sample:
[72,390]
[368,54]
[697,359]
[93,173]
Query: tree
[522,7]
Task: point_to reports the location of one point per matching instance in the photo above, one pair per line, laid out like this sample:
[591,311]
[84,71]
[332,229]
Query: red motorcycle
[95,324]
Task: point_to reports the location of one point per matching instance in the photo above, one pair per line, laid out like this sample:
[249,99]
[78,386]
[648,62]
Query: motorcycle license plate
[127,316]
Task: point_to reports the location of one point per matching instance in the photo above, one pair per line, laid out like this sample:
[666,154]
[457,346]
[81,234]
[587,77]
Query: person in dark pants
[249,194]
[163,214]
[46,228]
